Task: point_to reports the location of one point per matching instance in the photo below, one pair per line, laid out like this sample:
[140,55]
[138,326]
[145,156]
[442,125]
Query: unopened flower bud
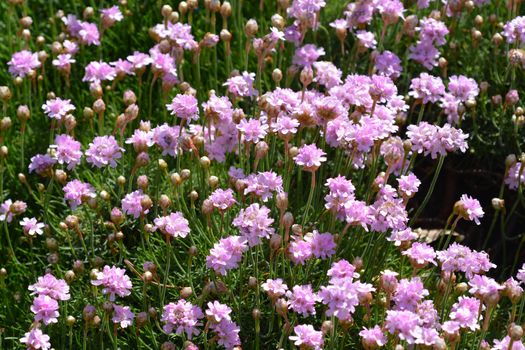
[251,28]
[186,292]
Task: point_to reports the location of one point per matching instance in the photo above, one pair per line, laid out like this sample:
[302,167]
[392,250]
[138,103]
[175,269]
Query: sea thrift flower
[275,288]
[167,138]
[89,34]
[327,74]
[114,282]
[132,204]
[36,339]
[22,63]
[465,313]
[484,288]
[470,209]
[77,192]
[322,245]
[122,315]
[463,88]
[183,317]
[388,64]
[109,17]
[45,309]
[430,139]
[42,164]
[49,285]
[341,191]
[226,254]
[8,209]
[95,72]
[254,223]
[409,293]
[184,106]
[57,108]
[299,250]
[32,227]
[460,258]
[310,157]
[227,333]
[307,55]
[174,225]
[218,312]
[103,151]
[366,39]
[141,140]
[307,337]
[242,85]
[408,185]
[404,324]
[222,199]
[372,338]
[420,254]
[68,151]
[264,184]
[63,62]
[302,300]
[252,130]
[427,88]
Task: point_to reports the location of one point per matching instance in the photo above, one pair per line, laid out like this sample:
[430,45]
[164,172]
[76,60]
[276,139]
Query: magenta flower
[42,164]
[307,55]
[77,192]
[427,88]
[132,204]
[222,199]
[141,140]
[49,285]
[241,85]
[484,288]
[45,309]
[122,315]
[114,282]
[310,157]
[402,323]
[465,313]
[307,337]
[68,151]
[218,312]
[110,16]
[8,209]
[96,72]
[174,225]
[104,151]
[275,288]
[183,317]
[32,227]
[226,254]
[409,293]
[420,254]
[184,106]
[22,63]
[89,34]
[327,74]
[264,184]
[167,138]
[461,258]
[63,62]
[388,64]
[36,339]
[373,337]
[322,245]
[254,223]
[408,185]
[227,334]
[253,129]
[470,209]
[302,300]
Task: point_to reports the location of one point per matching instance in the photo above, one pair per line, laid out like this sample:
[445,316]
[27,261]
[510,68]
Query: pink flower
[408,185]
[42,164]
[132,204]
[63,62]
[420,254]
[184,106]
[463,88]
[307,55]
[465,313]
[275,288]
[402,323]
[253,129]
[254,223]
[310,157]
[366,39]
[110,16]
[49,285]
[322,245]
[242,85]
[222,199]
[218,312]
[89,34]
[226,254]
[307,337]
[114,282]
[103,151]
[183,317]
[45,309]
[485,288]
[427,88]
[122,315]
[8,209]
[263,184]
[96,72]
[227,334]
[22,63]
[299,250]
[167,138]
[141,140]
[174,225]
[409,294]
[68,151]
[32,227]
[302,300]
[36,339]
[470,209]
[77,192]
[373,337]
